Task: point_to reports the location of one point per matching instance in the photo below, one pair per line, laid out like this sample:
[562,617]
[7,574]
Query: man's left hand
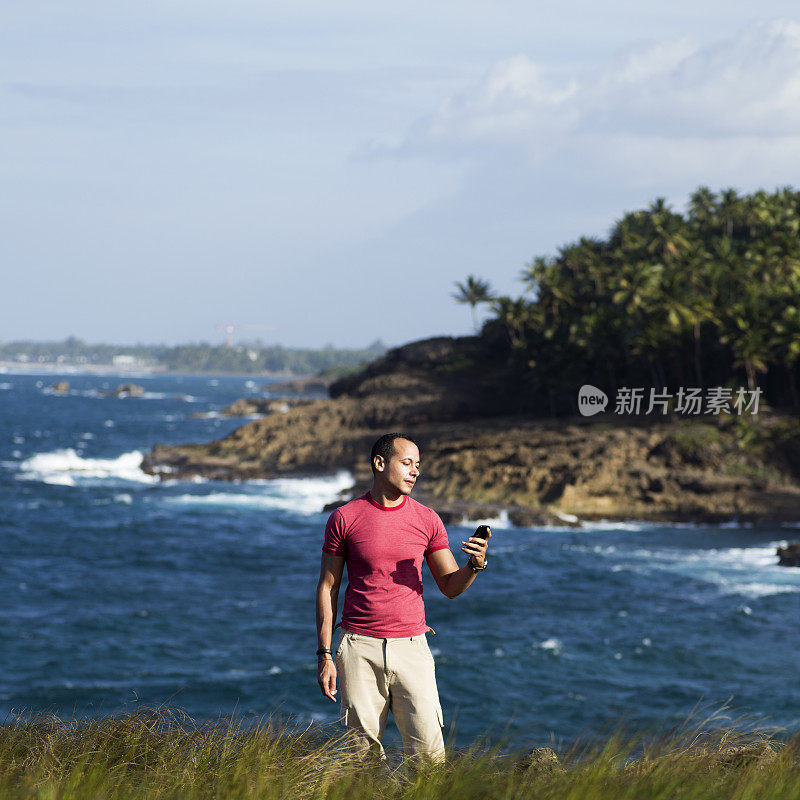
[476,548]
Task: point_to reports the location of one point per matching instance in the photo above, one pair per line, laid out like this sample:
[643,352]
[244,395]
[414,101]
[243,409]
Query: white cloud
[514,97]
[744,91]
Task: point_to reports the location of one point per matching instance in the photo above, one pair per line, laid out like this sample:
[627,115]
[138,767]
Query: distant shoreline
[16,368]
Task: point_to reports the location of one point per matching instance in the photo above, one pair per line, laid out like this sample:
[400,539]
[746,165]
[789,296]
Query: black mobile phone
[482,531]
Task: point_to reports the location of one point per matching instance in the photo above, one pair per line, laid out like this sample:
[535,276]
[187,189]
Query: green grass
[162,753]
[765,473]
[694,441]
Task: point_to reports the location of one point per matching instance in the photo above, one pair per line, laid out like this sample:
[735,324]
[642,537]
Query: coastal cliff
[485,449]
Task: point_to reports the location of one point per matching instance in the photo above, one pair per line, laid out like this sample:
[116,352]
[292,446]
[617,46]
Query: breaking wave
[67,468]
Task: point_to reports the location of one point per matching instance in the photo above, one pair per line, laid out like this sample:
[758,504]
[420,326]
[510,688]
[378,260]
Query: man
[383,659]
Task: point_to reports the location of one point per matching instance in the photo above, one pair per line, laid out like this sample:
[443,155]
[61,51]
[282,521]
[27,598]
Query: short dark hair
[384,447]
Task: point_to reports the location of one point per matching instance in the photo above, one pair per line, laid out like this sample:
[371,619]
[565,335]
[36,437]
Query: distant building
[126,361]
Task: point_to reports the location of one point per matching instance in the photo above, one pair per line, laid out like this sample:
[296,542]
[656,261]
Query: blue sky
[330,169]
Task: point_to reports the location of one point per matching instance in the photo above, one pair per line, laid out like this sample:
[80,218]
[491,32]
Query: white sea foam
[611,525]
[68,468]
[6,386]
[554,646]
[301,495]
[566,517]
[500,521]
[757,589]
[748,571]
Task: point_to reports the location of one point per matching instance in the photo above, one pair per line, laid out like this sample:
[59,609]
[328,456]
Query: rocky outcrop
[541,761]
[789,556]
[757,755]
[260,405]
[126,390]
[314,386]
[481,455]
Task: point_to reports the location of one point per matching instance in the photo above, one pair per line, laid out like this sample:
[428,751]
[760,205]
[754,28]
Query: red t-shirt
[384,548]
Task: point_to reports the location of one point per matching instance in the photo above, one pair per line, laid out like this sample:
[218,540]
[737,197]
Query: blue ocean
[120,591]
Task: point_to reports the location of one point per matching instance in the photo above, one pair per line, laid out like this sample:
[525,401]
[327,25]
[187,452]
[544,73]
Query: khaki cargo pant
[376,675]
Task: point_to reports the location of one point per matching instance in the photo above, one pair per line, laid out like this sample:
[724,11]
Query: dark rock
[241,408]
[525,518]
[540,761]
[450,516]
[532,518]
[789,556]
[314,386]
[328,507]
[260,405]
[126,390]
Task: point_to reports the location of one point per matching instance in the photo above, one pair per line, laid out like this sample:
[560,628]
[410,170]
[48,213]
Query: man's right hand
[327,678]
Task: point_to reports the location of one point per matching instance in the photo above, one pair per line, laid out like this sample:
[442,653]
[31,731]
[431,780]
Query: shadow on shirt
[406,574]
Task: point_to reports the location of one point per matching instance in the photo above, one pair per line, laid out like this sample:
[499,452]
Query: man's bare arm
[451,580]
[330,578]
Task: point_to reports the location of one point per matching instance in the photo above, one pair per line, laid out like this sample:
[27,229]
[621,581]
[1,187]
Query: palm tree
[473,291]
[514,313]
[703,211]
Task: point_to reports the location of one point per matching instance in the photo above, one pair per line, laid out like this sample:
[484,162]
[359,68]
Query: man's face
[402,469]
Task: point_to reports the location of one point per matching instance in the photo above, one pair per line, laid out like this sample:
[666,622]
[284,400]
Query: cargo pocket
[349,718]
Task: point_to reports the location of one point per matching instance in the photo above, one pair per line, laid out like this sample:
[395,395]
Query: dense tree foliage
[706,298]
[245,359]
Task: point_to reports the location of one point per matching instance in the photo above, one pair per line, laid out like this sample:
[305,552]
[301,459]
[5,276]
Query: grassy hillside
[161,754]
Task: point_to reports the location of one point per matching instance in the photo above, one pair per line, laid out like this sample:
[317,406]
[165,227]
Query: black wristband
[324,650]
[474,567]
